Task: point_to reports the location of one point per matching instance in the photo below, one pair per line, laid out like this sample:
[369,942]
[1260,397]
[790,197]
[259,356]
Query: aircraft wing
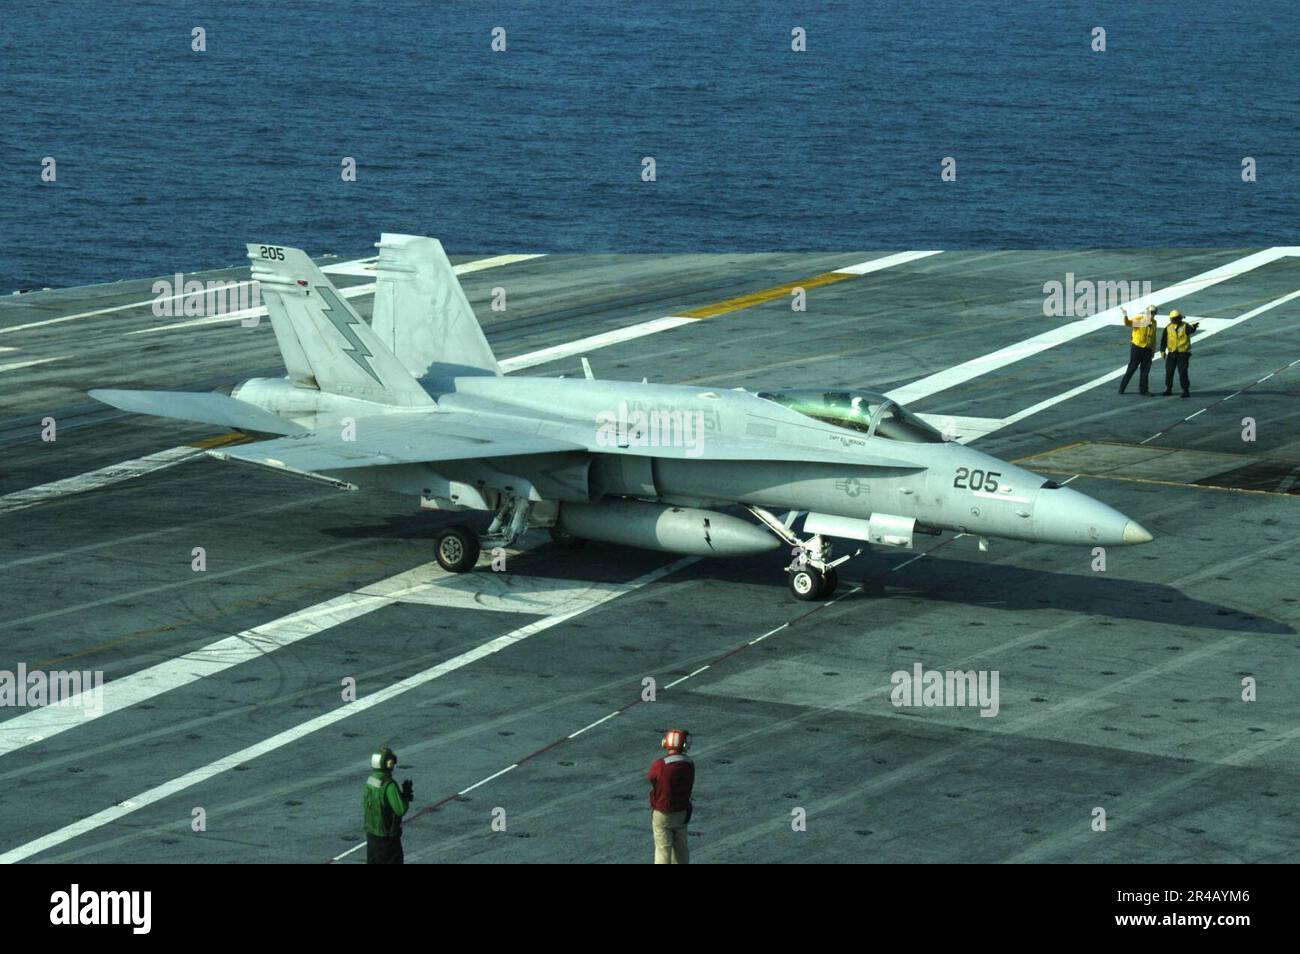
[420,438]
[395,439]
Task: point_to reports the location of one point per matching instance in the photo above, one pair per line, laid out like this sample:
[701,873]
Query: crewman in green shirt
[384,807]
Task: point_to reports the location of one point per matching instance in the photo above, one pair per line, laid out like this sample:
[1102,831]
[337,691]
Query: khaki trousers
[670,837]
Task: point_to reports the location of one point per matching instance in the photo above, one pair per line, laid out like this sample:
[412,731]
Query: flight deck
[242,699]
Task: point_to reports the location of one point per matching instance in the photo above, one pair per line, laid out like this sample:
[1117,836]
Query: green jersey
[383,805]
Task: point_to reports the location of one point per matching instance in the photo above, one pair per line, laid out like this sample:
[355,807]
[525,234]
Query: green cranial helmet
[381,759]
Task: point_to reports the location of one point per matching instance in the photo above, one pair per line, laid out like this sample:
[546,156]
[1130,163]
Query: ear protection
[381,758]
[676,739]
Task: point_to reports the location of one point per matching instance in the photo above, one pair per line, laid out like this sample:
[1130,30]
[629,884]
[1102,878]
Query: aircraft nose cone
[1135,533]
[1066,516]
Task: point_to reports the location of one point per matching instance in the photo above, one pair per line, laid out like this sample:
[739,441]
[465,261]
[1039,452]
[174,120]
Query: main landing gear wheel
[806,583]
[457,549]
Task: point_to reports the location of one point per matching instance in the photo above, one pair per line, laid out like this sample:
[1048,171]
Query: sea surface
[169,159]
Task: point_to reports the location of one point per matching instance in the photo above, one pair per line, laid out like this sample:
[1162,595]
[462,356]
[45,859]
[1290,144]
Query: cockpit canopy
[864,411]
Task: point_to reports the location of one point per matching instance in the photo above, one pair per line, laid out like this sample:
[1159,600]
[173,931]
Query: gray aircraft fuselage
[706,456]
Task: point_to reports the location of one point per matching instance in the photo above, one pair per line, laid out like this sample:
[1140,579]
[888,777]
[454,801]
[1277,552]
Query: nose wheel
[808,583]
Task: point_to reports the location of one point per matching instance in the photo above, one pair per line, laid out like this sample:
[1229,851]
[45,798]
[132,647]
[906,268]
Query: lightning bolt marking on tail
[343,320]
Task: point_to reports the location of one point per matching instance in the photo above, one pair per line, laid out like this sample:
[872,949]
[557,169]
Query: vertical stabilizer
[421,313]
[324,342]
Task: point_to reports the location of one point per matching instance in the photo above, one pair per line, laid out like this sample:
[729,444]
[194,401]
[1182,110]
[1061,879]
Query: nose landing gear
[813,574]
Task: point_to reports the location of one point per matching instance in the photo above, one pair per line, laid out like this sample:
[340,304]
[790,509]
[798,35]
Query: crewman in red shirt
[671,780]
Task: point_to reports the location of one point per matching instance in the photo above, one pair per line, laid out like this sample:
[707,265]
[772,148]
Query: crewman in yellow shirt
[1141,348]
[1176,349]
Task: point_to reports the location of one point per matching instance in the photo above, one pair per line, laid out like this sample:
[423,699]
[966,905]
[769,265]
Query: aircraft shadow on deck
[1017,588]
[423,525]
[938,579]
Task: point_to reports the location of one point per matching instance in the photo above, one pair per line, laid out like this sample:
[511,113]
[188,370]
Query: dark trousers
[384,851]
[1137,358]
[1176,360]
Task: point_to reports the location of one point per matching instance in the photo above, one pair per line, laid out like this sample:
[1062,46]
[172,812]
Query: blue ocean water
[170,159]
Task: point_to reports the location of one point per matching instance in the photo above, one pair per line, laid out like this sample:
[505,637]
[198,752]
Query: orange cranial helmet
[676,740]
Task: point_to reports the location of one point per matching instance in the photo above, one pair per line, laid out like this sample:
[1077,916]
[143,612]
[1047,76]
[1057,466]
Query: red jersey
[671,780]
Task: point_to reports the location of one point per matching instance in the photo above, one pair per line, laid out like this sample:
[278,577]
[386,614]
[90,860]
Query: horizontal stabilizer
[202,408]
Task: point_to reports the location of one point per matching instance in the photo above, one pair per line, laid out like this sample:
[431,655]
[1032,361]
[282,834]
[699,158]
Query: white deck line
[344,711]
[353,291]
[15,365]
[593,342]
[656,325]
[986,363]
[1209,329]
[338,268]
[889,261]
[91,480]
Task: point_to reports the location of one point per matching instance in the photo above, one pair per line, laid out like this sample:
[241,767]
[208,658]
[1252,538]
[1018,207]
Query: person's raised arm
[395,801]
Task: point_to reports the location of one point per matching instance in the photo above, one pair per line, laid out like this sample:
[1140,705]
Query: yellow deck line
[1054,450]
[767,294]
[221,440]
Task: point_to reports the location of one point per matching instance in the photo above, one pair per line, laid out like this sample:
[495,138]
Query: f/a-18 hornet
[415,404]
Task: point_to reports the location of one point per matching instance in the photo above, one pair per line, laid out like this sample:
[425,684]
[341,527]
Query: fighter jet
[415,404]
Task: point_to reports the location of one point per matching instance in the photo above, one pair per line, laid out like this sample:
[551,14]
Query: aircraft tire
[456,549]
[806,584]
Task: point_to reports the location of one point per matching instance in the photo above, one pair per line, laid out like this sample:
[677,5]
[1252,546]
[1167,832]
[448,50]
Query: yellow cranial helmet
[1175,315]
